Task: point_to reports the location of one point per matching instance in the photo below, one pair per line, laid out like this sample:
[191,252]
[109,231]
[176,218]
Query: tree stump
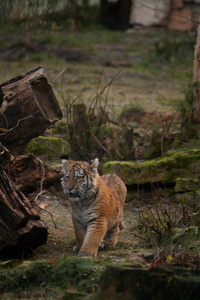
[28,107]
[21,230]
[80,127]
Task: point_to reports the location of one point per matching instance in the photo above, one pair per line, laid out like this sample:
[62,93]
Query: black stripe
[92,220]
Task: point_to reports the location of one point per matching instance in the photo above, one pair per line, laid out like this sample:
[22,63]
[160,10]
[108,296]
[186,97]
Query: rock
[127,283]
[187,190]
[180,20]
[150,12]
[50,147]
[166,169]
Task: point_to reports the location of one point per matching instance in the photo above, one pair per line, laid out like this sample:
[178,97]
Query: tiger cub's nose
[73,193]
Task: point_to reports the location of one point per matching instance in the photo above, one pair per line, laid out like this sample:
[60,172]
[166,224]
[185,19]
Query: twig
[49,214]
[58,76]
[38,195]
[43,173]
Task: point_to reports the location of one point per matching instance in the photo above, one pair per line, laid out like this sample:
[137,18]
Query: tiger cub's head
[79,179]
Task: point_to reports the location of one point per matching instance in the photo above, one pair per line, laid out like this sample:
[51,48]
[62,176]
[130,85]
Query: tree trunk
[21,230]
[28,107]
[196,78]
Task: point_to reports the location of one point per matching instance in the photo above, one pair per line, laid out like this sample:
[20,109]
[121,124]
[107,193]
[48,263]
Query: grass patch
[51,278]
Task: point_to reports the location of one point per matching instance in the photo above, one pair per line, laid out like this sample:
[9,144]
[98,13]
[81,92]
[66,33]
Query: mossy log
[166,169]
[127,283]
[21,230]
[28,107]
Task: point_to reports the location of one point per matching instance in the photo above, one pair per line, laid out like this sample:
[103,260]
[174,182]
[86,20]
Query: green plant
[159,218]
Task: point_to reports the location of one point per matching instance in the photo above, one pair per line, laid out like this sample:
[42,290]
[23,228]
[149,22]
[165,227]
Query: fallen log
[29,173]
[21,230]
[28,107]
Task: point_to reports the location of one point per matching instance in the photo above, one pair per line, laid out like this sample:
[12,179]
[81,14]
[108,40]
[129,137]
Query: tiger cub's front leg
[79,233]
[94,237]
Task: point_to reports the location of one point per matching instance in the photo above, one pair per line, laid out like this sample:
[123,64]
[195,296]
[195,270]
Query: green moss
[172,281]
[167,168]
[50,147]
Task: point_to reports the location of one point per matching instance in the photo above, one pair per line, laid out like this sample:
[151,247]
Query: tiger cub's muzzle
[73,193]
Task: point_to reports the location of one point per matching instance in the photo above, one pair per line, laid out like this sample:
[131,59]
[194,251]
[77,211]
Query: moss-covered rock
[50,147]
[186,185]
[188,197]
[173,165]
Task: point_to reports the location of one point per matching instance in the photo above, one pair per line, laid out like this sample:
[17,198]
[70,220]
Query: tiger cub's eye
[79,177]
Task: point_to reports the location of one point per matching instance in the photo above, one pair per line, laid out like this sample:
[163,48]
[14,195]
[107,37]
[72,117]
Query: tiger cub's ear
[94,165]
[65,164]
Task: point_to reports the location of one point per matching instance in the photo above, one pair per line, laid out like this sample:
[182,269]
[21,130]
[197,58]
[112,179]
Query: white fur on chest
[84,215]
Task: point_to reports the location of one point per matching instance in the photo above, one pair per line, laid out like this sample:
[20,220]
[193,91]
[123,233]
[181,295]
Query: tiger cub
[97,205]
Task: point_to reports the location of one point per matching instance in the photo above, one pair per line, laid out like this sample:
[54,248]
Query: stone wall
[181,15]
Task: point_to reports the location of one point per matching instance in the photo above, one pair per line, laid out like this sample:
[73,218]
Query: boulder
[150,12]
[50,147]
[184,185]
[166,169]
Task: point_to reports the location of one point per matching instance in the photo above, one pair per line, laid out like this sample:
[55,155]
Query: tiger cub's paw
[87,254]
[76,250]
